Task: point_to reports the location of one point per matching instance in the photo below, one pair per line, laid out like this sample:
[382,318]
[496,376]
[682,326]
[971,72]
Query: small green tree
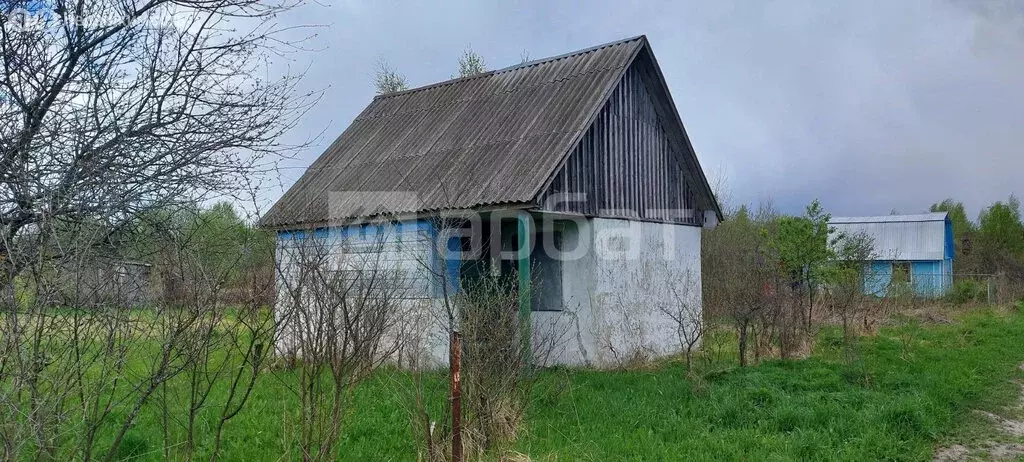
[957,215]
[387,79]
[802,247]
[739,274]
[1001,236]
[470,63]
[964,234]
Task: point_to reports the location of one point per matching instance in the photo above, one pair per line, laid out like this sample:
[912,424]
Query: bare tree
[112,107]
[112,110]
[846,280]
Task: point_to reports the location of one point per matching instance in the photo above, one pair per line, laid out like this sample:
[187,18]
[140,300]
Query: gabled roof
[491,139]
[923,237]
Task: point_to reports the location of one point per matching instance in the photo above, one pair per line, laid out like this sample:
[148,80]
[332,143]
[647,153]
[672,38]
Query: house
[913,250]
[106,280]
[573,173]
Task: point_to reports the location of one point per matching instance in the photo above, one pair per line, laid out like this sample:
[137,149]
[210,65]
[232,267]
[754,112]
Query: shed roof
[495,138]
[922,237]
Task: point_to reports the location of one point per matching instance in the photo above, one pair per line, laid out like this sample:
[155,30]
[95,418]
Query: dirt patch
[989,451]
[1006,451]
[1020,402]
[1014,428]
[952,453]
[997,448]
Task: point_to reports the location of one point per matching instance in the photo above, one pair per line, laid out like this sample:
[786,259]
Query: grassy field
[907,393]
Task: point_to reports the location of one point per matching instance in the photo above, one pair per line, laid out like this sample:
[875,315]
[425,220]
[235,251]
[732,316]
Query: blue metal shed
[911,251]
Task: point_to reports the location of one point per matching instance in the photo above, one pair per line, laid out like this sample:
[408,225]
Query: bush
[967,291]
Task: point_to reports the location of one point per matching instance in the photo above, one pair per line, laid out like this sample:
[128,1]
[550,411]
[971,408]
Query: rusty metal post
[455,366]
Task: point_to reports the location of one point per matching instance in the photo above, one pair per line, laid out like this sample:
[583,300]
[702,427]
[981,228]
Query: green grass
[910,388]
[896,403]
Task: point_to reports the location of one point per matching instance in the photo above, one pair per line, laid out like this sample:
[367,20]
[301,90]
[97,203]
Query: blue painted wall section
[453,265]
[877,276]
[927,278]
[443,263]
[950,249]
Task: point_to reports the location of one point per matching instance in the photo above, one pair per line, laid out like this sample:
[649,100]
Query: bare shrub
[683,309]
[230,329]
[846,280]
[496,361]
[78,357]
[496,372]
[338,308]
[740,277]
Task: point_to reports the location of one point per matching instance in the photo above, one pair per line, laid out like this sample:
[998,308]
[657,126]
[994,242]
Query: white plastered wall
[402,253]
[618,278]
[625,275]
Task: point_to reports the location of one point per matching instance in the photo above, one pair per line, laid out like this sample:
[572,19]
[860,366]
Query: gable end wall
[625,165]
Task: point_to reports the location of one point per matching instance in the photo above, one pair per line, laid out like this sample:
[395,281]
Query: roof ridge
[511,68]
[903,217]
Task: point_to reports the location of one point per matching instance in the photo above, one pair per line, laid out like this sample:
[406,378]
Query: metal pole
[456,366]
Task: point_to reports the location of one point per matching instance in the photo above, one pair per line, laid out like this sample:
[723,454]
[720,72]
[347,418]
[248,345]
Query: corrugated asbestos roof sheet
[900,237]
[492,138]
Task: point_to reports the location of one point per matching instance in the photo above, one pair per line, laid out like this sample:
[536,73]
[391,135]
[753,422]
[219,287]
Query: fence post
[456,395]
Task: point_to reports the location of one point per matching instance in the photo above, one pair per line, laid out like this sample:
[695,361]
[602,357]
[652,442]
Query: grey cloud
[870,106]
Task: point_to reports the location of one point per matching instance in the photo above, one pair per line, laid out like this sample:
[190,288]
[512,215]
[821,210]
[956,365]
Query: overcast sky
[870,106]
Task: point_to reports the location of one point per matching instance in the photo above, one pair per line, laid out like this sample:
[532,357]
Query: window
[901,272]
[546,290]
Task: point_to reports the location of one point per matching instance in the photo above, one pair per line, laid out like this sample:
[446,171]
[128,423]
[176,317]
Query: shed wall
[404,255]
[615,295]
[877,277]
[614,288]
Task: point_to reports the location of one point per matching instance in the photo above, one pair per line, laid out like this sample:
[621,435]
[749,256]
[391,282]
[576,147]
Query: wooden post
[456,391]
[525,223]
